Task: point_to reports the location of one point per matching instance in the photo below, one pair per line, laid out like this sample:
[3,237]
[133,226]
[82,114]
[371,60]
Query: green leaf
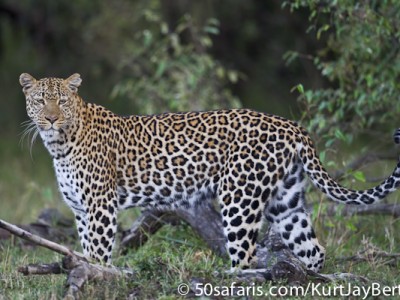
[147,37]
[164,28]
[339,134]
[298,87]
[360,176]
[350,226]
[232,76]
[322,30]
[290,56]
[211,29]
[330,224]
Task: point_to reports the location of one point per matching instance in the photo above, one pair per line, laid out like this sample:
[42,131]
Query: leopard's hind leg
[288,217]
[241,215]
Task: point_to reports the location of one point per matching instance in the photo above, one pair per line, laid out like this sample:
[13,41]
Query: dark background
[58,38]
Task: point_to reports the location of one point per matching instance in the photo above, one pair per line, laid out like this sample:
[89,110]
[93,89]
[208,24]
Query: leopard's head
[51,103]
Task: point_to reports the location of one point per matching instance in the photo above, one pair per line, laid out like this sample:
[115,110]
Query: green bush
[170,69]
[360,59]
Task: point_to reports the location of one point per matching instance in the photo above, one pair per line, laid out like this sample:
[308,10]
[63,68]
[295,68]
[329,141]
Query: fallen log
[75,264]
[274,260]
[203,219]
[42,269]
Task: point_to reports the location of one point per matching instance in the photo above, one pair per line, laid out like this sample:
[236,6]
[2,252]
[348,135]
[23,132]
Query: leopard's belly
[164,198]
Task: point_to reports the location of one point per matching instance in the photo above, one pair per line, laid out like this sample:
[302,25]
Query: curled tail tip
[396,136]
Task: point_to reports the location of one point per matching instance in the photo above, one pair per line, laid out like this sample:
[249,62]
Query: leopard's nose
[51,118]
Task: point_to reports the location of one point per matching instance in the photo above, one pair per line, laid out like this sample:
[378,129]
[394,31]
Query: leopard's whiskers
[30,132]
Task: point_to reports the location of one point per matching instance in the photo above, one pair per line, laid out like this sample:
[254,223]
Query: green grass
[174,255]
[14,285]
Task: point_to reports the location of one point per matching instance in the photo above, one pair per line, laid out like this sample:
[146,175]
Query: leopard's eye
[40,101]
[62,101]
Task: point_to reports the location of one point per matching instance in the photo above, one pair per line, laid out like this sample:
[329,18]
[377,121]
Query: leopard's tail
[321,179]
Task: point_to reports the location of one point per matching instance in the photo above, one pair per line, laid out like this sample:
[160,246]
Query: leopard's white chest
[61,151]
[69,185]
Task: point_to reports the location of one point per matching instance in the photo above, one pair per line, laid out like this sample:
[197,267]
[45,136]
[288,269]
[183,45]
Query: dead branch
[362,161]
[338,277]
[371,254]
[350,210]
[81,271]
[360,257]
[207,223]
[51,225]
[41,269]
[148,223]
[203,219]
[75,264]
[38,240]
[274,260]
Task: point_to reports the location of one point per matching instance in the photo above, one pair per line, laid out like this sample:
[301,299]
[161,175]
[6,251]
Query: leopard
[254,164]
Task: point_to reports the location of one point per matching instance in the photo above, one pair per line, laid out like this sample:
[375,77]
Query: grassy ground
[174,255]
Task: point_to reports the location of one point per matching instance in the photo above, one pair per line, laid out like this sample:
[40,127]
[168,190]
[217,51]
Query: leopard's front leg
[97,224]
[82,228]
[97,227]
[102,227]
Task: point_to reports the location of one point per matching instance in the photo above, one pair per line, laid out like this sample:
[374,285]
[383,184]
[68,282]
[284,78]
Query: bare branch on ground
[203,219]
[371,254]
[15,230]
[75,264]
[350,210]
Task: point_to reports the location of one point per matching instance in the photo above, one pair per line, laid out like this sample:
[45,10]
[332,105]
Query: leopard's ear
[27,81]
[73,82]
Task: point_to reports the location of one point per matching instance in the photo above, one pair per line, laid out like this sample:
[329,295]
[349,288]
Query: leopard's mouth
[50,127]
[50,132]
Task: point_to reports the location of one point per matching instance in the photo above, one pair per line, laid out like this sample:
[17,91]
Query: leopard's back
[173,159]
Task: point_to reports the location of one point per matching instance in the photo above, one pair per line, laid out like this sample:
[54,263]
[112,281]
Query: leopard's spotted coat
[252,162]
